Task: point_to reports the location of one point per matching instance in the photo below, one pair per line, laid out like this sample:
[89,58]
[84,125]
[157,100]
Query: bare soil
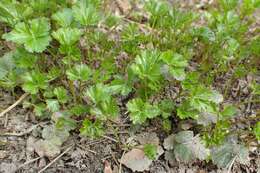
[18,132]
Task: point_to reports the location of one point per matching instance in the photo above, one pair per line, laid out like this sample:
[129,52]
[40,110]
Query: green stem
[80,91]
[229,82]
[72,90]
[145,89]
[153,25]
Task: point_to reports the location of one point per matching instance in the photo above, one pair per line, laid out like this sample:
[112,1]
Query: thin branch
[120,166]
[231,164]
[54,160]
[20,134]
[110,138]
[14,105]
[30,161]
[84,148]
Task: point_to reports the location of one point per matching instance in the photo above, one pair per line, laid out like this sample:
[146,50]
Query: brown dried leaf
[136,160]
[124,6]
[107,168]
[168,142]
[46,148]
[170,158]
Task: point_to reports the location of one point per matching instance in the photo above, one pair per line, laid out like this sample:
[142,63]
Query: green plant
[92,129]
[34,35]
[150,151]
[81,62]
[189,147]
[147,69]
[104,106]
[257,131]
[175,63]
[140,111]
[34,81]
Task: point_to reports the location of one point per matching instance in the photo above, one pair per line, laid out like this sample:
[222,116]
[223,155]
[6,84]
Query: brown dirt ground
[88,155]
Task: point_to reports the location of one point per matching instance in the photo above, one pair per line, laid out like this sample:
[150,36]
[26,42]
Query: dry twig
[84,148]
[54,160]
[110,138]
[28,162]
[14,104]
[120,166]
[20,134]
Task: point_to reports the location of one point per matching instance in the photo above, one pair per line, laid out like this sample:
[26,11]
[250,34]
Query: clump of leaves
[86,12]
[186,147]
[229,152]
[104,105]
[140,111]
[82,63]
[34,81]
[147,68]
[92,129]
[64,17]
[51,143]
[80,72]
[13,12]
[202,103]
[175,63]
[34,35]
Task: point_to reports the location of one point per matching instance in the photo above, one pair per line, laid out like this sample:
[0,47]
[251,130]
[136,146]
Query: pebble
[3,154]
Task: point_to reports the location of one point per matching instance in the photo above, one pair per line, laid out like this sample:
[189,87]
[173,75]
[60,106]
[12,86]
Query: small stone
[42,163]
[136,160]
[3,154]
[30,144]
[148,138]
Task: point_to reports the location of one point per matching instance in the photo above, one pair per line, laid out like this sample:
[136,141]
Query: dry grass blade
[53,161]
[120,166]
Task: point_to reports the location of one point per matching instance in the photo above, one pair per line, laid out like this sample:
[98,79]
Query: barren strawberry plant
[86,69]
